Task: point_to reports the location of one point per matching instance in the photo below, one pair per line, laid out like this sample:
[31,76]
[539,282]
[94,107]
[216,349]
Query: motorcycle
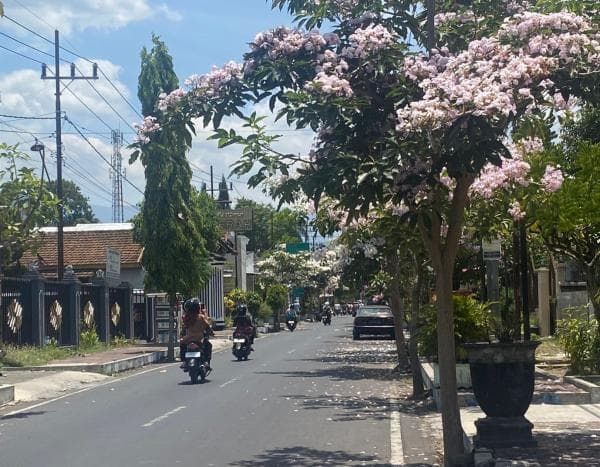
[327,320]
[291,325]
[195,365]
[241,346]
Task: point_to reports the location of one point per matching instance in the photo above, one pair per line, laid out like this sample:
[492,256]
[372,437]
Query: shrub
[237,296]
[580,340]
[471,324]
[265,312]
[88,339]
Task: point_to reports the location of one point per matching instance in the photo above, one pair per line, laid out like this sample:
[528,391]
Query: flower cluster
[330,84]
[494,77]
[211,84]
[283,41]
[167,101]
[144,130]
[552,179]
[516,212]
[464,17]
[364,42]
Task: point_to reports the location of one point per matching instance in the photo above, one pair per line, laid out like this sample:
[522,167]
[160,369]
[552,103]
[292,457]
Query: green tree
[25,204]
[77,206]
[171,223]
[272,227]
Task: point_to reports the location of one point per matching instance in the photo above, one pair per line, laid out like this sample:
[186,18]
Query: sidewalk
[18,384]
[567,435]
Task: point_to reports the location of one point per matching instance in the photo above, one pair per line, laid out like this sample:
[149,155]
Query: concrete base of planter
[7,393]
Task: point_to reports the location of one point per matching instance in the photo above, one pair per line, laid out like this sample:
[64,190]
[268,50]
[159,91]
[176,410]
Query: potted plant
[471,319]
[503,376]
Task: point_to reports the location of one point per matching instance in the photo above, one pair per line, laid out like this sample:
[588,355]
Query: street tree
[76,206]
[172,225]
[25,205]
[415,130]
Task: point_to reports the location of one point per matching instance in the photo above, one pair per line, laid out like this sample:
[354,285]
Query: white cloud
[79,15]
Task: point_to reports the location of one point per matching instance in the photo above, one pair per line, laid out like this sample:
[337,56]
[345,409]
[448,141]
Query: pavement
[309,398]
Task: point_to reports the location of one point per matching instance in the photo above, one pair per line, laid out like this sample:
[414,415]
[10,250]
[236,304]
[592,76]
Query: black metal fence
[37,311]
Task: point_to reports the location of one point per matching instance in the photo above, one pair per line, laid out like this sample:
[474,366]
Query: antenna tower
[116,177]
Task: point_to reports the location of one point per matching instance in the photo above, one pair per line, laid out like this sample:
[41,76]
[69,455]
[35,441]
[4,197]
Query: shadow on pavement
[308,457]
[346,409]
[22,415]
[343,373]
[559,449]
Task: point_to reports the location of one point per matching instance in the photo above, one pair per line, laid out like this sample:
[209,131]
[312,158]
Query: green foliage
[236,297]
[265,311]
[26,203]
[277,297]
[121,341]
[272,227]
[77,209]
[580,339]
[34,356]
[176,224]
[471,324]
[88,340]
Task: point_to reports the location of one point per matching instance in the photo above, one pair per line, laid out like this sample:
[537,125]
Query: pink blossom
[364,42]
[167,101]
[552,179]
[516,212]
[144,130]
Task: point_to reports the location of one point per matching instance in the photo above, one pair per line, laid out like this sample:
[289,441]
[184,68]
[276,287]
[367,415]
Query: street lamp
[39,147]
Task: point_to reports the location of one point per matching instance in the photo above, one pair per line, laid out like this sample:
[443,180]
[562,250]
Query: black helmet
[192,305]
[241,309]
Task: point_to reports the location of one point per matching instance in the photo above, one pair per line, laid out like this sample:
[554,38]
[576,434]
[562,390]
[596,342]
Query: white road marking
[228,382]
[397,459]
[291,351]
[49,401]
[164,416]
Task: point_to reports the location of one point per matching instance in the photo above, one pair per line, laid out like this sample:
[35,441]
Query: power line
[22,55]
[23,117]
[99,153]
[88,107]
[137,112]
[27,29]
[26,45]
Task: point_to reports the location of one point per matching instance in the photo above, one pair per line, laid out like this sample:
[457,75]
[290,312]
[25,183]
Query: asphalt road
[310,398]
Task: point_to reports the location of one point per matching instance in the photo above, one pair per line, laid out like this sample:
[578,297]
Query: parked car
[373,320]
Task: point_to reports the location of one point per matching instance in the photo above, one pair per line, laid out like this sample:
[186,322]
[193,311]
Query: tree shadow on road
[347,409]
[308,457]
[561,448]
[339,373]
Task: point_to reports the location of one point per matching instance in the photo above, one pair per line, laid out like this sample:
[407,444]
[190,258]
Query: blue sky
[199,34]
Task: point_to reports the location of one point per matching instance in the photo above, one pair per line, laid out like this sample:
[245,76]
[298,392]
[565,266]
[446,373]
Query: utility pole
[116,176]
[59,162]
[212,188]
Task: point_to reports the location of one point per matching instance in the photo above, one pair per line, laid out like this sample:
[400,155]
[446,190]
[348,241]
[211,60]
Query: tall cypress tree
[175,255]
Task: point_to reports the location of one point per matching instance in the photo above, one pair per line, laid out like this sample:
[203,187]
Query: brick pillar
[544,301]
[72,309]
[36,305]
[127,314]
[103,308]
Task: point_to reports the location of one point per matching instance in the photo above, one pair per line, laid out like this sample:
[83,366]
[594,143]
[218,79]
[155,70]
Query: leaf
[1,10]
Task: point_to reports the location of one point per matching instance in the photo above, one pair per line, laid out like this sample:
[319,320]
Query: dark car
[373,320]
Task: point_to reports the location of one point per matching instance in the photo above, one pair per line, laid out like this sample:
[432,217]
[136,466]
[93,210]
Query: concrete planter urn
[503,377]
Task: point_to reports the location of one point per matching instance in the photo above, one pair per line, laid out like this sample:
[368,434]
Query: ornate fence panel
[90,307]
[118,303]
[55,300]
[16,311]
[140,315]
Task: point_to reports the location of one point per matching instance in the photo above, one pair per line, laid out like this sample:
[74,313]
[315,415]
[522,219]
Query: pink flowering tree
[391,125]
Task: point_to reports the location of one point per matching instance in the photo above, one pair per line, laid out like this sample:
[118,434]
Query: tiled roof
[86,247]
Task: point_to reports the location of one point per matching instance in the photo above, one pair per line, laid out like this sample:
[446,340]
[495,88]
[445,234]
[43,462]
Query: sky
[198,33]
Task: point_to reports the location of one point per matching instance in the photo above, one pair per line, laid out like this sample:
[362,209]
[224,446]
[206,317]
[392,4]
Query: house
[85,248]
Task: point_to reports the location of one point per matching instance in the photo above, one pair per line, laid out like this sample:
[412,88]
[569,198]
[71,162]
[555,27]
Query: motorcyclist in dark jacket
[244,323]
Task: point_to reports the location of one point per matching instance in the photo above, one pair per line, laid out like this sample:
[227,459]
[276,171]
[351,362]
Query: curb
[7,393]
[108,368]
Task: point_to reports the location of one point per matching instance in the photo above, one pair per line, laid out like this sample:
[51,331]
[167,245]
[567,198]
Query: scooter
[195,365]
[327,320]
[241,346]
[291,325]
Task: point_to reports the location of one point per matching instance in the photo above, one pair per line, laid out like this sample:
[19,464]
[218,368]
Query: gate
[15,322]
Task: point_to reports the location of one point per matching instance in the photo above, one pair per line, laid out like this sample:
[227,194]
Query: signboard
[162,323]
[235,220]
[298,292]
[491,250]
[297,247]
[113,263]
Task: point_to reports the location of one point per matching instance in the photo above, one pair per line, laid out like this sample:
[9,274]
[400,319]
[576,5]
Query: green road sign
[297,247]
[298,292]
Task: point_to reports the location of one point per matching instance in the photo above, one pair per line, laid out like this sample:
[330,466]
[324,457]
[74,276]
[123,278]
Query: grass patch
[34,356]
[549,349]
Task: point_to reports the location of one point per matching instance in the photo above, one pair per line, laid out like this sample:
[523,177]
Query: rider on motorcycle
[291,314]
[244,323]
[197,327]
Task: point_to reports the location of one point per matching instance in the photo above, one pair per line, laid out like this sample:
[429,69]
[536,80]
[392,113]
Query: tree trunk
[415,305]
[453,440]
[515,317]
[593,288]
[397,310]
[172,313]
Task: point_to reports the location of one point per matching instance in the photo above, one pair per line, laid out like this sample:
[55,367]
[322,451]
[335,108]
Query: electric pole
[59,162]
